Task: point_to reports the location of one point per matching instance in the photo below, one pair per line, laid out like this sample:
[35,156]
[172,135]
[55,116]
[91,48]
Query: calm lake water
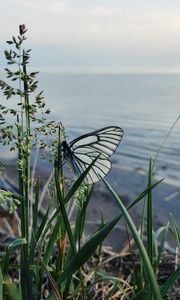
[145,106]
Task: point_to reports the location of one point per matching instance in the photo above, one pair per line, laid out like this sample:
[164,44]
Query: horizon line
[106,70]
[102,70]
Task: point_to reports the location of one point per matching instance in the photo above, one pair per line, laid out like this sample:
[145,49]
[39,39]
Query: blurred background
[108,63]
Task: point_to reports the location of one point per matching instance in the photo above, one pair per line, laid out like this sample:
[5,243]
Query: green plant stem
[28,150]
[64,214]
[20,173]
[25,270]
[60,175]
[149,215]
[149,224]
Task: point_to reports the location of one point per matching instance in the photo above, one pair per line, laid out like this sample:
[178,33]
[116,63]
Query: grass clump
[51,259]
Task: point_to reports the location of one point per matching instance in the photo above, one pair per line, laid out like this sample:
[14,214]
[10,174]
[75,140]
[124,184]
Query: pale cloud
[103,11]
[176,22]
[23,4]
[45,6]
[134,31]
[59,7]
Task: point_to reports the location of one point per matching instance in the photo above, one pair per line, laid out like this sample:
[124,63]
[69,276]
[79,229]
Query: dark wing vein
[98,170]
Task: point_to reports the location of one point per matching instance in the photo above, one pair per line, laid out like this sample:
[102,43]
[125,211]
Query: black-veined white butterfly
[100,144]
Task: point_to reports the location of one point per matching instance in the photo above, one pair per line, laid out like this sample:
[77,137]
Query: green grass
[67,272]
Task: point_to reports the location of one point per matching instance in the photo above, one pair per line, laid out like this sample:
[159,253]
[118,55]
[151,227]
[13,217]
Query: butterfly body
[100,144]
[65,149]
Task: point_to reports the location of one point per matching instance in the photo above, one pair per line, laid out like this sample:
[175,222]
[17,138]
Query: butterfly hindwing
[100,168]
[98,144]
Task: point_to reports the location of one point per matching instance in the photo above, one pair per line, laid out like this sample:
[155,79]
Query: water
[145,106]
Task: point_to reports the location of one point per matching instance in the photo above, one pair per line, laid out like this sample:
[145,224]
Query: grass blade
[1,285]
[39,235]
[88,249]
[17,243]
[149,217]
[147,264]
[144,193]
[80,219]
[63,211]
[164,141]
[53,237]
[176,232]
[78,182]
[52,282]
[161,248]
[13,292]
[35,207]
[170,281]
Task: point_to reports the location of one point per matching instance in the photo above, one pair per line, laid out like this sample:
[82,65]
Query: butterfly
[100,145]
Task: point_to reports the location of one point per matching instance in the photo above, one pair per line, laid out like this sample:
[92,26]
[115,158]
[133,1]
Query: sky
[97,35]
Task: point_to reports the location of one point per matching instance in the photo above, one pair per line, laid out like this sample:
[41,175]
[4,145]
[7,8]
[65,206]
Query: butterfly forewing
[98,144]
[85,141]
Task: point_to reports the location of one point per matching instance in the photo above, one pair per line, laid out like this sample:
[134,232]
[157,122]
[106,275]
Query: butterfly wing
[98,144]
